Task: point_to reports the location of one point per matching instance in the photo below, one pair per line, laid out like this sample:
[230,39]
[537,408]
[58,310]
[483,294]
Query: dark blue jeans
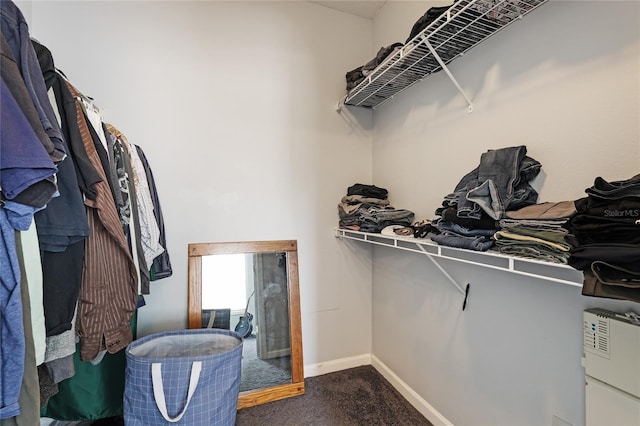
[500,182]
[478,243]
[456,228]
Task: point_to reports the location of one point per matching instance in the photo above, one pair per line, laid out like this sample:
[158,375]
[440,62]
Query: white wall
[565,82]
[233,104]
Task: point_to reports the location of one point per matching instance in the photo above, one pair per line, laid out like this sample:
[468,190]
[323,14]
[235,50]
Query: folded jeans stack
[366,208]
[499,183]
[536,231]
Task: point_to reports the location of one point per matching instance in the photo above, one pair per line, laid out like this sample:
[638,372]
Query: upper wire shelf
[464,25]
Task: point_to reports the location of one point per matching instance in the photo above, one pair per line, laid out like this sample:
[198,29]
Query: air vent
[603,326]
[596,334]
[603,343]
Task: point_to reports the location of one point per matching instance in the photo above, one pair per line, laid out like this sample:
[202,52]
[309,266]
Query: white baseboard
[410,395]
[312,370]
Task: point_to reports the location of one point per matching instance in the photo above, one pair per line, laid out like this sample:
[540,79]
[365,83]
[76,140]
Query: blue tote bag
[185,377]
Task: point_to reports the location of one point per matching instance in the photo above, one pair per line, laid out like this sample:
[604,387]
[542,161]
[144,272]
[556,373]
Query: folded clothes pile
[355,76]
[425,20]
[605,239]
[469,215]
[536,231]
[366,208]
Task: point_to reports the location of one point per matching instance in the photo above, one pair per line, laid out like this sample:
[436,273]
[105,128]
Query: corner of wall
[410,395]
[332,366]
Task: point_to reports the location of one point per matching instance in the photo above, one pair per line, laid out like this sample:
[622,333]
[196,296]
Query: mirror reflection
[248,293]
[252,288]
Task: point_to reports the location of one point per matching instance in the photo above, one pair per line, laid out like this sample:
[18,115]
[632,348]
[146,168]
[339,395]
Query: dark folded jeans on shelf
[450,214]
[615,190]
[594,230]
[620,254]
[368,191]
[444,226]
[459,241]
[625,206]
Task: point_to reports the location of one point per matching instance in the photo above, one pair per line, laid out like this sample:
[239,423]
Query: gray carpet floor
[356,396]
[352,397]
[258,373]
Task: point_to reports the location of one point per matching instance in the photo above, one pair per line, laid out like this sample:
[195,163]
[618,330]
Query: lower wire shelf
[556,272]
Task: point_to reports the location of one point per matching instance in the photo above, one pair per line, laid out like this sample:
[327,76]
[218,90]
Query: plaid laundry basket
[184,377]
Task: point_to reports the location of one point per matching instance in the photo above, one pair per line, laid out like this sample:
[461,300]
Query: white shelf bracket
[340,104]
[446,70]
[464,291]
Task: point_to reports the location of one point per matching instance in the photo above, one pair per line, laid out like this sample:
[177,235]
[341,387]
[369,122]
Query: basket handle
[158,388]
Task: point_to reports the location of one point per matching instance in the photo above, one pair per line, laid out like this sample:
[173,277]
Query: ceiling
[363,8]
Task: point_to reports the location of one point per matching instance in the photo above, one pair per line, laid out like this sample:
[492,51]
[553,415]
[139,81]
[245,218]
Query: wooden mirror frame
[253,397]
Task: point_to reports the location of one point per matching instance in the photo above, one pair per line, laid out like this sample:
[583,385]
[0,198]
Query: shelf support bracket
[341,102]
[446,70]
[464,291]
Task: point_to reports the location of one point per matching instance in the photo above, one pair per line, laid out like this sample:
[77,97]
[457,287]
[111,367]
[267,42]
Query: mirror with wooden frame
[252,288]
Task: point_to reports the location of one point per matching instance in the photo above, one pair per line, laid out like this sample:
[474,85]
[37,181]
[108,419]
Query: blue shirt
[23,160]
[11,328]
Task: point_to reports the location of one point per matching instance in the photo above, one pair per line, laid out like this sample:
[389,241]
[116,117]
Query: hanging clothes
[15,30]
[150,234]
[25,174]
[108,295]
[12,77]
[13,345]
[27,170]
[94,392]
[77,187]
[31,276]
[161,267]
[137,229]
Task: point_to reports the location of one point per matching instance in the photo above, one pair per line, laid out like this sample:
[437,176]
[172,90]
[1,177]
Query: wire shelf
[464,25]
[548,271]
